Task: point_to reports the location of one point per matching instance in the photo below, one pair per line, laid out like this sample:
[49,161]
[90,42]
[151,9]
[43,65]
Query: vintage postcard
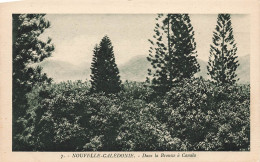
[130,81]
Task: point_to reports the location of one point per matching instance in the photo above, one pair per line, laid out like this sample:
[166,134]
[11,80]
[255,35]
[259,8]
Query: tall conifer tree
[159,55]
[105,74]
[184,55]
[27,49]
[223,61]
[172,52]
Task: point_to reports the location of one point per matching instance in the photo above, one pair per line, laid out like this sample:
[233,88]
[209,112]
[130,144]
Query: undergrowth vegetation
[195,115]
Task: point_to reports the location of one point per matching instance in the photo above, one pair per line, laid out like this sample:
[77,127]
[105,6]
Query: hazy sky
[75,35]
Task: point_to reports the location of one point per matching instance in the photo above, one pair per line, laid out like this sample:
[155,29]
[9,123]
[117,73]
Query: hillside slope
[135,69]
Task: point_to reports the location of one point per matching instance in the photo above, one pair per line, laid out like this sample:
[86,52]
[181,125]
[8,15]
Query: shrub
[67,117]
[142,131]
[209,117]
[193,115]
[138,90]
[53,120]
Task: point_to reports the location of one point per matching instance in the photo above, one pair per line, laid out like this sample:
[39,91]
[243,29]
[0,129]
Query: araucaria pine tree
[105,74]
[173,51]
[223,61]
[27,50]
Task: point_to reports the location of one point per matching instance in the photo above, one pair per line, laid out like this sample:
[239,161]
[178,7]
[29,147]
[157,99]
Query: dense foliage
[223,60]
[104,72]
[173,51]
[27,49]
[212,117]
[193,115]
[188,114]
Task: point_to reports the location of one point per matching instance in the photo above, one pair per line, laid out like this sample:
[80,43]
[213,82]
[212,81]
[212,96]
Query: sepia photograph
[131,82]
